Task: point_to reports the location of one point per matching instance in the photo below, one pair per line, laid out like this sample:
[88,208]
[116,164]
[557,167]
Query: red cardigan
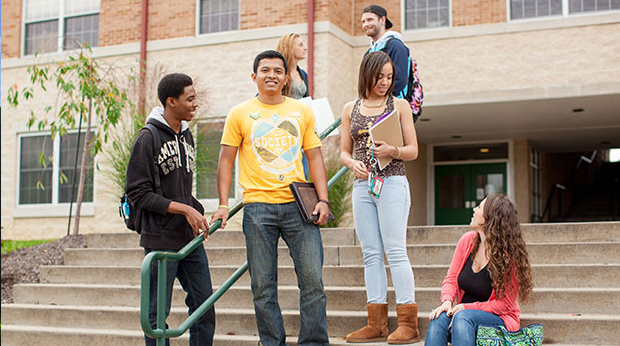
[507,308]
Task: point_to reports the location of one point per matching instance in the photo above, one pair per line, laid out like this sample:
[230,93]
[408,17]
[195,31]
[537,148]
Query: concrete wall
[522,179]
[417,174]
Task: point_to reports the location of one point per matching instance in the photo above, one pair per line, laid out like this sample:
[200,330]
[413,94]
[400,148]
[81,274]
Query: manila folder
[387,129]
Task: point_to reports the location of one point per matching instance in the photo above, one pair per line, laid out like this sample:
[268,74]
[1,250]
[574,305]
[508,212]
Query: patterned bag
[531,335]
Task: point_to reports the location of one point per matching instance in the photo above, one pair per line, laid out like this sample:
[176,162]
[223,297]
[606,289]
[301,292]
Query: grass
[11,245]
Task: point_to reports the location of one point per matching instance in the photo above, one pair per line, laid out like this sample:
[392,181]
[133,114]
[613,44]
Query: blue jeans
[464,327]
[381,226]
[263,224]
[195,278]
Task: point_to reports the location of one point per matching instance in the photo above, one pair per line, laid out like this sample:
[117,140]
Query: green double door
[459,188]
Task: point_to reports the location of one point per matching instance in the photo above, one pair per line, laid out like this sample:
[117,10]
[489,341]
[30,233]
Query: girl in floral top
[381,213]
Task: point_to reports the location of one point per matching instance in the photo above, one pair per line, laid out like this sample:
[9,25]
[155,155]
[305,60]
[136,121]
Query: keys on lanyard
[375,182]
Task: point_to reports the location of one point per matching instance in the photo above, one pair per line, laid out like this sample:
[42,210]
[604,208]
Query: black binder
[306,199]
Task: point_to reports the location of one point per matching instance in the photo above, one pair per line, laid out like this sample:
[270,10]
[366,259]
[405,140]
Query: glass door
[459,188]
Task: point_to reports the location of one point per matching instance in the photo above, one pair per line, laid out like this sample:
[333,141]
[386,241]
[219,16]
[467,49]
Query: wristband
[223,206]
[324,201]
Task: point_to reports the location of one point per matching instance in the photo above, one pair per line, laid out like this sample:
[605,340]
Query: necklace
[374,106]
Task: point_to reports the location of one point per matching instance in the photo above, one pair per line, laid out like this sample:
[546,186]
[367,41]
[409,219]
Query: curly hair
[506,249]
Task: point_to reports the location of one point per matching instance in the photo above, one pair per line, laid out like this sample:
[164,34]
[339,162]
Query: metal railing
[161,333]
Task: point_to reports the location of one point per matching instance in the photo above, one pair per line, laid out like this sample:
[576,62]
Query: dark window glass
[578,6]
[426,14]
[219,15]
[69,171]
[80,30]
[521,9]
[35,180]
[207,152]
[42,37]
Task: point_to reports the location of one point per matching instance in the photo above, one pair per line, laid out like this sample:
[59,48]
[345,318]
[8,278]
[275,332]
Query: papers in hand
[387,129]
[322,113]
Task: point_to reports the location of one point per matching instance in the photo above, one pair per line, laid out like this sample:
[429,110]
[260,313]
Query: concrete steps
[342,298]
[427,254]
[93,299]
[548,275]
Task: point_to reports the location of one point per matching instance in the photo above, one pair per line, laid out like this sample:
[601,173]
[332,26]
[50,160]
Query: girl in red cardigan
[489,270]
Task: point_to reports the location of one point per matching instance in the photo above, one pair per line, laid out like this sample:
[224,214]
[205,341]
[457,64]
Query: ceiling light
[484,150]
[577,110]
[456,136]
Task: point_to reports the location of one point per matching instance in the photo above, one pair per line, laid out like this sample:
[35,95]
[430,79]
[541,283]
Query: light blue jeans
[263,225]
[463,330]
[381,226]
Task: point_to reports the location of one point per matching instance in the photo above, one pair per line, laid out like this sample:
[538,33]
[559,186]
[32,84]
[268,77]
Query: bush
[339,193]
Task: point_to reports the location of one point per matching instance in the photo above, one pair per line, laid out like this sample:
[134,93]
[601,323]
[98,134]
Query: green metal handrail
[161,333]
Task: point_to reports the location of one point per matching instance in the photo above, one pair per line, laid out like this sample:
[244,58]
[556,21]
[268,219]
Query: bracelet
[324,201]
[399,153]
[223,206]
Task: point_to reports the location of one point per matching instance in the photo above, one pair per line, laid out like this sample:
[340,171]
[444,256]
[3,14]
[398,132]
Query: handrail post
[162,278]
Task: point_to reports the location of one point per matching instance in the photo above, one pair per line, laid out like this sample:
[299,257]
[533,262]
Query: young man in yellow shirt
[269,132]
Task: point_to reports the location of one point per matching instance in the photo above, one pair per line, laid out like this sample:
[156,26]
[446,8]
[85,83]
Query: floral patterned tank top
[361,139]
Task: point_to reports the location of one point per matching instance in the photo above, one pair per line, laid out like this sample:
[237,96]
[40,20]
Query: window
[75,21]
[207,139]
[52,183]
[522,9]
[579,6]
[421,14]
[219,15]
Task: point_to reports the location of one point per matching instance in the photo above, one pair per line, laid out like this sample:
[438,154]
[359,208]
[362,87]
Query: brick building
[515,90]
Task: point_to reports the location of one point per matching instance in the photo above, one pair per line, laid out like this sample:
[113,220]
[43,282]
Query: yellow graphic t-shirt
[270,139]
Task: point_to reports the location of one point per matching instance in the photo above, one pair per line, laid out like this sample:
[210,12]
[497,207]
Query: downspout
[143,40]
[311,48]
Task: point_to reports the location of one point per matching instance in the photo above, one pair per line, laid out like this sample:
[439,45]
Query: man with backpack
[375,24]
[159,188]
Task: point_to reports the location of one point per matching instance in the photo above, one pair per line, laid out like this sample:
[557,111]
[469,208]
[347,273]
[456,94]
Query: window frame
[55,208]
[565,13]
[61,27]
[198,18]
[403,18]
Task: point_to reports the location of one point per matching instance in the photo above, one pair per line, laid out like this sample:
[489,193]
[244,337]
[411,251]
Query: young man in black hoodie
[172,218]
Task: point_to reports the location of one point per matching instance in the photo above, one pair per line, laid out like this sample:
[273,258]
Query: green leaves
[78,80]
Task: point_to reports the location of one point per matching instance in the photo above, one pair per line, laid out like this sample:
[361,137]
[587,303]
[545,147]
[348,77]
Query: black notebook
[306,199]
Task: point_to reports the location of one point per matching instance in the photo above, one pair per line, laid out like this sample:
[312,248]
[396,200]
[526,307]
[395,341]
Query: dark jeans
[195,278]
[263,224]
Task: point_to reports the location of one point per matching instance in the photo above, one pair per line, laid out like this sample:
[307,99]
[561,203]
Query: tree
[83,87]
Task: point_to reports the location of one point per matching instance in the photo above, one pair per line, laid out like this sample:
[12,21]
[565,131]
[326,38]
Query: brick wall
[272,13]
[341,15]
[473,12]
[168,19]
[119,22]
[11,28]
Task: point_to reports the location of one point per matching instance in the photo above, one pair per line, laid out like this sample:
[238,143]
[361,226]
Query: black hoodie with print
[160,230]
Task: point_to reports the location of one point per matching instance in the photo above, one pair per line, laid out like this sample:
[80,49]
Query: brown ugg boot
[407,331]
[376,330]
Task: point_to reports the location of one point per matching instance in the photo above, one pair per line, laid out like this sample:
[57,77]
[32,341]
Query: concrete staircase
[93,299]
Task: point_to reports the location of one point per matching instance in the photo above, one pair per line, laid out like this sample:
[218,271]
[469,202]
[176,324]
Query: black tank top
[477,286]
